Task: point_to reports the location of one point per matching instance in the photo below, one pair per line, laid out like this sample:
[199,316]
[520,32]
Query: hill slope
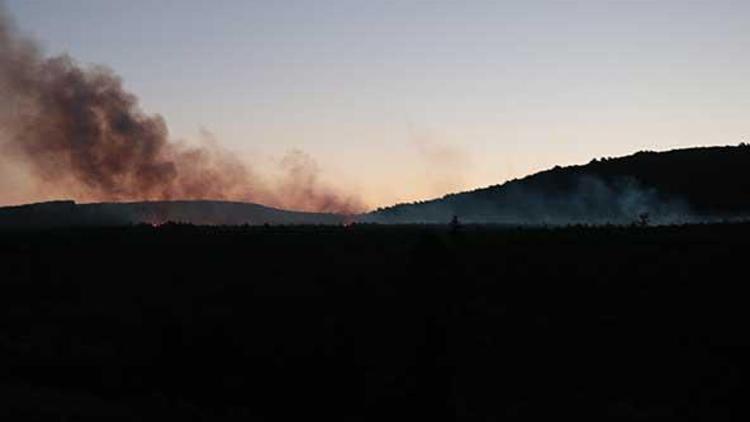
[68,213]
[687,185]
[674,186]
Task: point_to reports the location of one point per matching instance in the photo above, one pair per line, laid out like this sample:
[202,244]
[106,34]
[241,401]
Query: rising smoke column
[83,135]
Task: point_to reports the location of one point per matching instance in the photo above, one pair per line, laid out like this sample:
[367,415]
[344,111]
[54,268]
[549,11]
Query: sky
[408,100]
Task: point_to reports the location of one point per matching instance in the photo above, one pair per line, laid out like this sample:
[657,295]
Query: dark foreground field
[375,323]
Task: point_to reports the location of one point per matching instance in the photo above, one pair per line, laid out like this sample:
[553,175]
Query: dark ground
[375,323]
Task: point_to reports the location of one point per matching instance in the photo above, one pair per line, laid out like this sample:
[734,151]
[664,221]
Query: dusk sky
[406,100]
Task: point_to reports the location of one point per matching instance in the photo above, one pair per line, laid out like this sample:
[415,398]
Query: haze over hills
[68,213]
[685,185]
[688,185]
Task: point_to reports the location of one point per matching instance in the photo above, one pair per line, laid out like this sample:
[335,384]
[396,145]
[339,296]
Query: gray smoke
[581,199]
[80,134]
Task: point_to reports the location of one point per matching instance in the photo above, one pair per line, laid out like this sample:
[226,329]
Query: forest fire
[81,135]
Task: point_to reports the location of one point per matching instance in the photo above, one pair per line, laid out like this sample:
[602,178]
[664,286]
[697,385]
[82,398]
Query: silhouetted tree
[455,224]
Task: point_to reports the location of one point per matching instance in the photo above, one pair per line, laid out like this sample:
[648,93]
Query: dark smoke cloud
[81,134]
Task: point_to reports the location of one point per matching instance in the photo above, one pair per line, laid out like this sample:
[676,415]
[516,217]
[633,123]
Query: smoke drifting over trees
[82,135]
[583,199]
[679,186]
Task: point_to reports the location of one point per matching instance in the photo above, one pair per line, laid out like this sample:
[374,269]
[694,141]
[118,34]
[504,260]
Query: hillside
[68,213]
[687,185]
[675,186]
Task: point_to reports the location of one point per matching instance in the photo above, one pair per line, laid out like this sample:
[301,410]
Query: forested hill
[672,186]
[687,185]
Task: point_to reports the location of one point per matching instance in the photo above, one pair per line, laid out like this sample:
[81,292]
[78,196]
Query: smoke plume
[445,164]
[82,135]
